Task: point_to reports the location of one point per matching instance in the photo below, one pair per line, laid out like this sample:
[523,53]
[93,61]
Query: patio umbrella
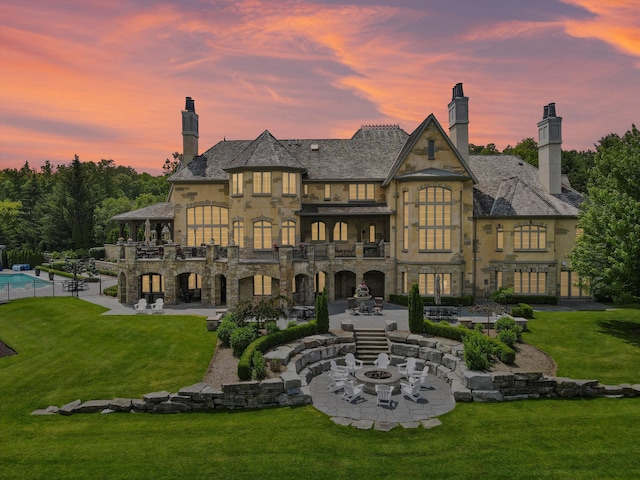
[436,291]
[147,232]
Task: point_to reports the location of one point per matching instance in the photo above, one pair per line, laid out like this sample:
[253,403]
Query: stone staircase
[369,343]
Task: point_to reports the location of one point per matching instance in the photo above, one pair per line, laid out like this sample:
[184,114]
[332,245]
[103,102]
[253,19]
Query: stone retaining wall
[310,356]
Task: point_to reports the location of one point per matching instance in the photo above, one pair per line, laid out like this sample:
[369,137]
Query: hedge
[263,344]
[69,274]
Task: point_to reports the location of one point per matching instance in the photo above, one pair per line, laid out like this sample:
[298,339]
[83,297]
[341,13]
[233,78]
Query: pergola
[160,215]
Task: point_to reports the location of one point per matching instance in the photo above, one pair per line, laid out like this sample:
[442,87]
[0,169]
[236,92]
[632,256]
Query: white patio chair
[141,306]
[420,377]
[413,392]
[383,392]
[382,361]
[340,369]
[158,306]
[353,364]
[337,382]
[352,392]
[407,368]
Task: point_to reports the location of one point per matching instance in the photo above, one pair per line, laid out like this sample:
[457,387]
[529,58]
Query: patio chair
[158,306]
[407,368]
[337,382]
[352,306]
[420,377]
[352,392]
[353,364]
[383,392]
[141,306]
[412,392]
[335,368]
[377,306]
[382,361]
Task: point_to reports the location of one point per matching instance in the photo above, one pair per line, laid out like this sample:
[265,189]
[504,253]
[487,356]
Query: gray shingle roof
[158,211]
[508,186]
[339,210]
[264,152]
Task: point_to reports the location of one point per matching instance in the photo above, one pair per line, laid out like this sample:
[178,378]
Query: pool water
[20,279]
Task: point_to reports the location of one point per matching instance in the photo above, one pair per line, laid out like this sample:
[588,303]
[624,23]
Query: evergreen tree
[416,310]
[608,251]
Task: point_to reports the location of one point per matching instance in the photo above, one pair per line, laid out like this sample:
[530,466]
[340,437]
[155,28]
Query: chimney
[459,121]
[189,131]
[549,150]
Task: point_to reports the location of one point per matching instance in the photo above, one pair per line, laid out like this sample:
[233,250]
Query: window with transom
[288,233]
[207,222]
[530,237]
[262,235]
[289,183]
[434,219]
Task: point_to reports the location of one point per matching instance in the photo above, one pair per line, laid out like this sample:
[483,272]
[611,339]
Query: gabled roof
[264,152]
[508,186]
[159,211]
[411,143]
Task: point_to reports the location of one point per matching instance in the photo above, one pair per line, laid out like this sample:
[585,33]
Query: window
[318,232]
[572,286]
[362,191]
[372,233]
[404,282]
[340,232]
[288,233]
[498,279]
[289,183]
[432,149]
[434,222]
[261,183]
[207,222]
[530,282]
[499,237]
[262,235]
[327,191]
[238,233]
[152,283]
[320,281]
[405,221]
[305,190]
[427,283]
[530,237]
[194,281]
[261,285]
[237,184]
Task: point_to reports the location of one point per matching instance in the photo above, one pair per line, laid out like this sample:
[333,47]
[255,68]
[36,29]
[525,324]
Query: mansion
[263,217]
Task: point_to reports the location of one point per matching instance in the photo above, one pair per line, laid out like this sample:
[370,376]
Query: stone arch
[345,283]
[375,281]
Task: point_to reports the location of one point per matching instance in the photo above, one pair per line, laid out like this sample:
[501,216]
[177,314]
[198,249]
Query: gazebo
[159,216]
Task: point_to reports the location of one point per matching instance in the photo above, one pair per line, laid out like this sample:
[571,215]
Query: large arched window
[238,233]
[262,235]
[434,222]
[340,232]
[207,222]
[288,233]
[318,232]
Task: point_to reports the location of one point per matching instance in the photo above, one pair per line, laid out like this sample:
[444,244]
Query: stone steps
[370,342]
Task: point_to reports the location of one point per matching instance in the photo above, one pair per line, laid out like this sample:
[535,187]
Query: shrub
[505,353]
[241,337]
[259,366]
[503,295]
[522,310]
[275,365]
[111,291]
[416,310]
[505,323]
[478,351]
[443,329]
[508,337]
[97,252]
[271,327]
[225,329]
[292,323]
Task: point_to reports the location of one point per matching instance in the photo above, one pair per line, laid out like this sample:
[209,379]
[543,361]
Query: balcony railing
[345,250]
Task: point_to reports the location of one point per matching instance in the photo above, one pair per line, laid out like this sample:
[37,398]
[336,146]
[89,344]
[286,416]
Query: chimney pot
[552,109]
[545,111]
[190,105]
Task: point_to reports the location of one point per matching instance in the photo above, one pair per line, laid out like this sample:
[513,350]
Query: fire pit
[372,376]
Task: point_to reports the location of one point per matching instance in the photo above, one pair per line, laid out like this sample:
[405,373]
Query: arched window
[434,221]
[530,237]
[318,232]
[262,235]
[207,222]
[340,232]
[288,233]
[238,233]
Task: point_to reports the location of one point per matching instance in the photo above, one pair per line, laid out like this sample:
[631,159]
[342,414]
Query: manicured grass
[591,345]
[65,348]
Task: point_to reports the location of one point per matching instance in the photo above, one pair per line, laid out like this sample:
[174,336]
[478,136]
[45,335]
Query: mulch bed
[6,351]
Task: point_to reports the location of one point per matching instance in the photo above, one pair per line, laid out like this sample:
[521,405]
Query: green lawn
[67,351]
[591,345]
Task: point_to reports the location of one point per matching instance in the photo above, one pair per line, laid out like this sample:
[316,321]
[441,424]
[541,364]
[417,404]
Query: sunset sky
[107,79]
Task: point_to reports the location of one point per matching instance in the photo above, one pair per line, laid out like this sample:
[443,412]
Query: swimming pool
[20,280]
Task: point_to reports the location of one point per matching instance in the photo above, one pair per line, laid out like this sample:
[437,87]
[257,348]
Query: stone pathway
[365,414]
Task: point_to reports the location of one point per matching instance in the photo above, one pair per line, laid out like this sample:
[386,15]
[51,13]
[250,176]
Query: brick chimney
[549,150]
[189,131]
[459,121]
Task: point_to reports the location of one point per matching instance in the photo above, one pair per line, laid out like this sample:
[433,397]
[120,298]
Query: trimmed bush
[241,338]
[111,291]
[504,352]
[522,310]
[226,328]
[97,252]
[446,301]
[263,344]
[503,295]
[478,351]
[508,337]
[322,312]
[416,310]
[445,330]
